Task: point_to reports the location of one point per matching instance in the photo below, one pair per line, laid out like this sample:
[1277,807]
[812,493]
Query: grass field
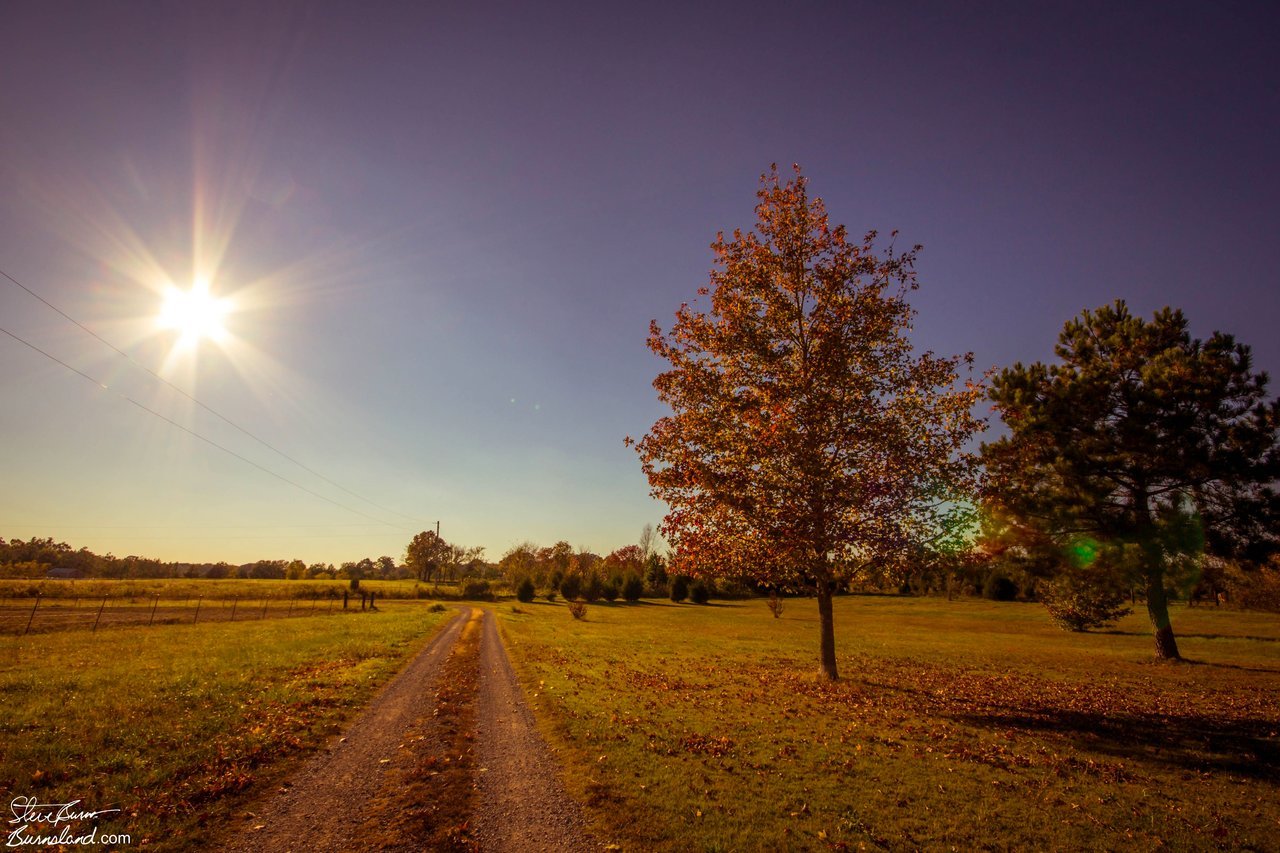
[955,725]
[182,589]
[177,724]
[43,606]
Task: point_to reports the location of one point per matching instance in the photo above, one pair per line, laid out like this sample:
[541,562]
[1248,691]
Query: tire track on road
[523,806]
[324,803]
[520,803]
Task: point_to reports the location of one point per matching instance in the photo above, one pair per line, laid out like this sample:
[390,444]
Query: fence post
[290,613]
[153,610]
[234,602]
[32,616]
[101,608]
[264,608]
[197,619]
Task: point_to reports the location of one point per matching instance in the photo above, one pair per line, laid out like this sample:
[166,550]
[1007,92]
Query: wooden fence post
[264,608]
[290,613]
[197,619]
[234,602]
[32,616]
[153,610]
[101,608]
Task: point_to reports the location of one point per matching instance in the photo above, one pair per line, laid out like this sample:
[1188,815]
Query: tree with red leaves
[807,442]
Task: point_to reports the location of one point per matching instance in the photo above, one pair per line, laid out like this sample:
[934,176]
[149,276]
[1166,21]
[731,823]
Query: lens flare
[1083,551]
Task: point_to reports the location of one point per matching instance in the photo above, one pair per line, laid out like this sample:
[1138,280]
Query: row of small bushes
[698,591]
[631,589]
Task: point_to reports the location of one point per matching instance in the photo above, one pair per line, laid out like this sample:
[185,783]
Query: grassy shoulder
[960,724]
[178,724]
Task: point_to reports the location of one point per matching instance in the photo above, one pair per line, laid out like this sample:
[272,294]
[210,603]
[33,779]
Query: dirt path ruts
[521,805]
[326,798]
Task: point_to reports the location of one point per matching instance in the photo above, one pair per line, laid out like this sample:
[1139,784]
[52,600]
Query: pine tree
[1143,445]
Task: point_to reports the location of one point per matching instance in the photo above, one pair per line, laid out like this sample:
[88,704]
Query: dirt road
[522,805]
[516,800]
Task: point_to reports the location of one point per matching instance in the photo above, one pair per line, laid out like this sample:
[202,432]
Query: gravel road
[325,799]
[521,805]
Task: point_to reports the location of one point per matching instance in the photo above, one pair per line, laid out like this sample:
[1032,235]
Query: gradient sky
[446,227]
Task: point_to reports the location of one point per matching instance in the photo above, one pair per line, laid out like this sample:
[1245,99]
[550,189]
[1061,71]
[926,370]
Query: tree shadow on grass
[1246,747]
[1181,635]
[665,602]
[1238,667]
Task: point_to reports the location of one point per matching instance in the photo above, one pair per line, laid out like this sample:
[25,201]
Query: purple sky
[446,231]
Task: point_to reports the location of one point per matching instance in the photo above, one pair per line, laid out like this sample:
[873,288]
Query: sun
[195,314]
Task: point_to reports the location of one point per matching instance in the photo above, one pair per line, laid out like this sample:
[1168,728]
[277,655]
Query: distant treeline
[39,558]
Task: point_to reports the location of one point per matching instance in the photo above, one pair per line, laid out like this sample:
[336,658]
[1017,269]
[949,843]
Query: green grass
[965,724]
[178,724]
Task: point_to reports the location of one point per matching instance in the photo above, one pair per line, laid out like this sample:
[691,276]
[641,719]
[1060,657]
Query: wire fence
[48,614]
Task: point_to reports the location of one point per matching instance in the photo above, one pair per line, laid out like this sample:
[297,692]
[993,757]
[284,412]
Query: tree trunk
[1157,601]
[1158,610]
[828,628]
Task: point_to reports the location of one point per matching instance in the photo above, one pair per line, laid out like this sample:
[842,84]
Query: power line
[238,538]
[207,408]
[275,527]
[192,432]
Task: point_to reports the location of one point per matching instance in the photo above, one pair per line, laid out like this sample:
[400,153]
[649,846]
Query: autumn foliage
[806,441]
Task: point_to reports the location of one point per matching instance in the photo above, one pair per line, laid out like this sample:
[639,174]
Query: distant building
[63,573]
